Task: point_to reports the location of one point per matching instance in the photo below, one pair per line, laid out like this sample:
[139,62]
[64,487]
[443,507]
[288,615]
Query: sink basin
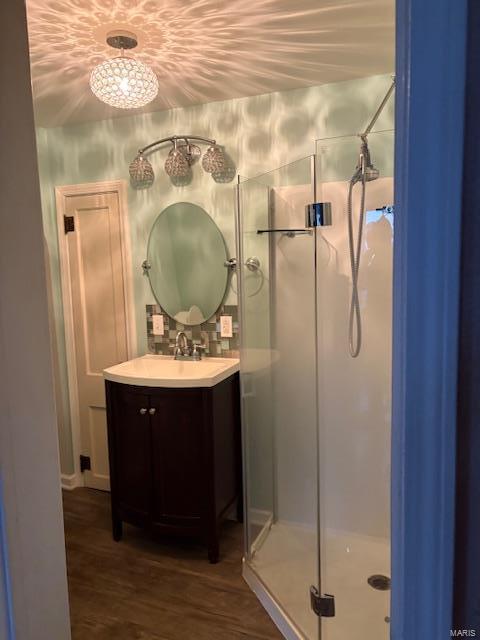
[163,371]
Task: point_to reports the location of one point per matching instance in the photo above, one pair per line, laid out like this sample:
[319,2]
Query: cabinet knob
[152,411]
[143,411]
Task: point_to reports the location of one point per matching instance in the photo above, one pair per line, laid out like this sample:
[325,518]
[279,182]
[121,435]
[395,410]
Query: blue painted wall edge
[431,43]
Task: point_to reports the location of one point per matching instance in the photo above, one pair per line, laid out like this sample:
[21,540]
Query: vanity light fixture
[123,82]
[183,154]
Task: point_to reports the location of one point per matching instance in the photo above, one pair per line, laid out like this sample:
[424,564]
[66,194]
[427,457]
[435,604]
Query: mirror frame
[147,266]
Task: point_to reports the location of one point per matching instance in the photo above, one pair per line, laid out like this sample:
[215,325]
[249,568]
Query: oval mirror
[186,255]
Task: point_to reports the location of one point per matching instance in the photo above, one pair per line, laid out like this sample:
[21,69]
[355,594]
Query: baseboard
[70,482]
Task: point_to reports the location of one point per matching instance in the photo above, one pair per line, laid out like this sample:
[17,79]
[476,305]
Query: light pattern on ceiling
[204,50]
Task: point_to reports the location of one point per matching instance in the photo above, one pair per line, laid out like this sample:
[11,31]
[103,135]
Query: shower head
[365,165]
[365,168]
[371,172]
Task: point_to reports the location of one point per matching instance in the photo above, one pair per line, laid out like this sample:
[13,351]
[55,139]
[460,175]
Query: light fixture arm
[173,139]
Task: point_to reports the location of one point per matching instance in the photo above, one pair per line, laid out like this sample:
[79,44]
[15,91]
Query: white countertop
[163,371]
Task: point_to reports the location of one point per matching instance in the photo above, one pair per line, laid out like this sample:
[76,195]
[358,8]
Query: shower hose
[355,316]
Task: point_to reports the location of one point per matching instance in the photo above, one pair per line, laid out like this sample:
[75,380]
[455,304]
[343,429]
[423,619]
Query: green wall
[259,133]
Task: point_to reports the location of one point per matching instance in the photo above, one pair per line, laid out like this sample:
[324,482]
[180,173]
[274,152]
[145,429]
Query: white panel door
[99,317]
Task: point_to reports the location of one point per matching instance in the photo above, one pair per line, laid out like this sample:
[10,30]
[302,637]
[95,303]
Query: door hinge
[85,463]
[69,224]
[318,214]
[322,606]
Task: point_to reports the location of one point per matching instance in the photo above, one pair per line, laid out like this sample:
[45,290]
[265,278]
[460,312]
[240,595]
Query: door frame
[467,551]
[61,194]
[430,100]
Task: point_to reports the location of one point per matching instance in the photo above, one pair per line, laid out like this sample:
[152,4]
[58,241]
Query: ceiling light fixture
[183,154]
[123,82]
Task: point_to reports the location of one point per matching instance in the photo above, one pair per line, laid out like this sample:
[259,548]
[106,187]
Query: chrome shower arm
[378,111]
[173,139]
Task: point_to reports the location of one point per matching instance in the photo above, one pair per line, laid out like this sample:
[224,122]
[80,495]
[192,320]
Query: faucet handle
[197,350]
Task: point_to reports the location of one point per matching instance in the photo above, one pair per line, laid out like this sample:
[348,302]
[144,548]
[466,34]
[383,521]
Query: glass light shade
[176,165]
[124,83]
[213,160]
[141,173]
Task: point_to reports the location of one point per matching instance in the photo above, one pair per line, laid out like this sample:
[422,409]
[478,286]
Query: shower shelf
[287,232]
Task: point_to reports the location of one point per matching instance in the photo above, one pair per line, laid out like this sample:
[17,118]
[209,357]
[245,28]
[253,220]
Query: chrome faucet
[183,351]
[181,344]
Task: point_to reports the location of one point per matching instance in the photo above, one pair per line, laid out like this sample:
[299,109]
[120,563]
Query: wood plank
[141,588]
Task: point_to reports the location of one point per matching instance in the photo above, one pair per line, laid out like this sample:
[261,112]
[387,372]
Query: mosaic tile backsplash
[207,333]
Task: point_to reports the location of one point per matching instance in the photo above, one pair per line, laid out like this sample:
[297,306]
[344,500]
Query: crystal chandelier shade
[213,160]
[141,173]
[124,83]
[176,165]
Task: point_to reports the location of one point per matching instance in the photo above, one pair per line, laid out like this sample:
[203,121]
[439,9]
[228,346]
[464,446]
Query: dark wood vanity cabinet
[175,458]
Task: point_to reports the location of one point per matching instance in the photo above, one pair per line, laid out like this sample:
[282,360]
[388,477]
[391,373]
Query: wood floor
[140,589]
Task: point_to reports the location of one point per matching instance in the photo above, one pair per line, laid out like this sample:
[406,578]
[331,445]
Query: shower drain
[379,582]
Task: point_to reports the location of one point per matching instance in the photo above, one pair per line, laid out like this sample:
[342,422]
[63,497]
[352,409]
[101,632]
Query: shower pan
[316,422]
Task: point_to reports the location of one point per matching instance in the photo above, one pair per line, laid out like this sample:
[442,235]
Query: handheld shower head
[365,171]
[371,173]
[365,165]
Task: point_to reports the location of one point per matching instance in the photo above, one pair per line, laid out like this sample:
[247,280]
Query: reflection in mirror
[186,255]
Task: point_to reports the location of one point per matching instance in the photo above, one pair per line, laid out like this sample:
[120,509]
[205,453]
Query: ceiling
[204,50]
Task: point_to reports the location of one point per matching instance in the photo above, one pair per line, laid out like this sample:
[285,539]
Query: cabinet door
[132,458]
[178,457]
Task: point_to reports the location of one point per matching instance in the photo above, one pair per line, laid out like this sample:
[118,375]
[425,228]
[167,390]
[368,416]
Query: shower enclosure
[316,422]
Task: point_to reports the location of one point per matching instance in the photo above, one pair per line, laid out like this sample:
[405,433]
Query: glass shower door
[355,393]
[277,257]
